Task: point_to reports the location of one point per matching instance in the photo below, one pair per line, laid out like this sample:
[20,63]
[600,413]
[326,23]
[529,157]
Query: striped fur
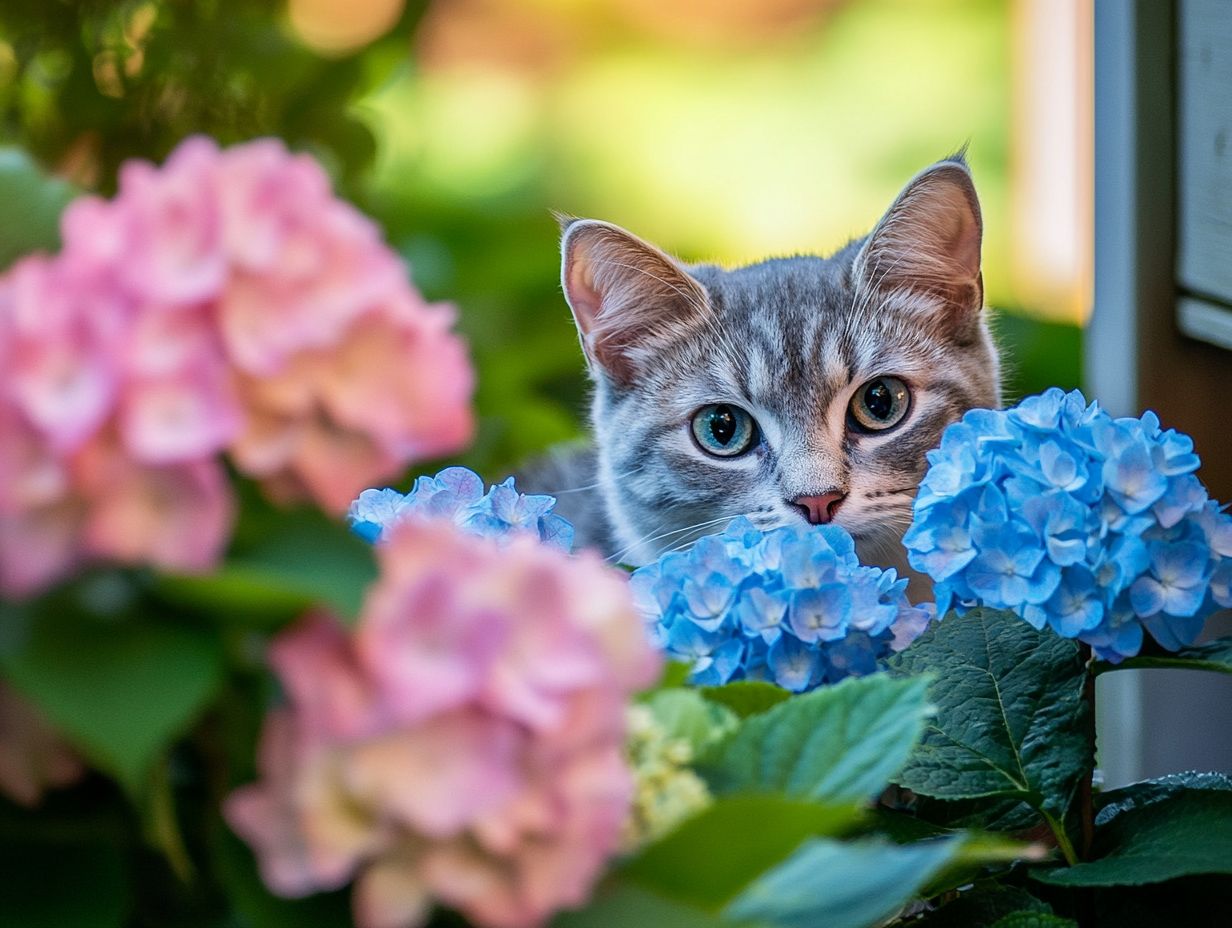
[790,340]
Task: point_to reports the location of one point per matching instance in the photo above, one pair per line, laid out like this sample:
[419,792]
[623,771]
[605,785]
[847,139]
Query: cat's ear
[929,242]
[629,299]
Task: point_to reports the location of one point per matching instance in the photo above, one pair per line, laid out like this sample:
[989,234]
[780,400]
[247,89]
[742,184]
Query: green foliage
[1011,719]
[123,685]
[1034,920]
[94,84]
[839,743]
[709,858]
[843,885]
[684,715]
[1186,833]
[981,907]
[746,697]
[33,197]
[1214,655]
[622,906]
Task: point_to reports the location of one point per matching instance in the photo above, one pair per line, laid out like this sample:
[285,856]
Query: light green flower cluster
[667,791]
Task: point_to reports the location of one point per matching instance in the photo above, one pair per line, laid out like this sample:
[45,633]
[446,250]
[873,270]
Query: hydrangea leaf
[840,743]
[843,885]
[1183,834]
[1113,802]
[1034,920]
[684,715]
[37,198]
[1214,655]
[121,688]
[753,833]
[622,905]
[746,697]
[1011,720]
[306,560]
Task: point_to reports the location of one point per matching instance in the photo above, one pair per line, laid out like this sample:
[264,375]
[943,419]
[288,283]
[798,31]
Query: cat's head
[795,388]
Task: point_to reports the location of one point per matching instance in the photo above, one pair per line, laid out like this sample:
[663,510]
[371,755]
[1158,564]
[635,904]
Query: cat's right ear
[628,298]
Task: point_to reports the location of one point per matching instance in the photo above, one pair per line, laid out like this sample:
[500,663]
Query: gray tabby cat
[795,389]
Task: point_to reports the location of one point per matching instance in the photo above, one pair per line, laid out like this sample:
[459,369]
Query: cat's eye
[724,430]
[880,404]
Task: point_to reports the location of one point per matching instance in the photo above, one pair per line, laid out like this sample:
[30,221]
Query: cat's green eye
[724,430]
[880,404]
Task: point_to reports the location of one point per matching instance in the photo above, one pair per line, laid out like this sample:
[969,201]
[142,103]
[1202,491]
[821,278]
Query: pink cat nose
[820,510]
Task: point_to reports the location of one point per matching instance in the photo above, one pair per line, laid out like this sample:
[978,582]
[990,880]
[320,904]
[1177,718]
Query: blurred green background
[723,130]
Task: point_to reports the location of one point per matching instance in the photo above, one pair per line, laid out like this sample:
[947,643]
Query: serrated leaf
[710,857]
[839,743]
[1011,720]
[121,690]
[685,716]
[1214,656]
[747,697]
[1185,834]
[843,885]
[1034,920]
[31,202]
[1113,802]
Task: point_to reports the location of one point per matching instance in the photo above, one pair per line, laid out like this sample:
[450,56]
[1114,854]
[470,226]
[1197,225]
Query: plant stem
[1063,841]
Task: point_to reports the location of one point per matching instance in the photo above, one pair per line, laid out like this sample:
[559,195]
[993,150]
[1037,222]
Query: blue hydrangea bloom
[458,494]
[793,606]
[1093,526]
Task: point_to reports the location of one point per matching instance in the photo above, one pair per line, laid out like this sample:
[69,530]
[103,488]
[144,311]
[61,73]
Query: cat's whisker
[697,526]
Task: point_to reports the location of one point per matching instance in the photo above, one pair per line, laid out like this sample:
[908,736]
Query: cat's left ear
[928,243]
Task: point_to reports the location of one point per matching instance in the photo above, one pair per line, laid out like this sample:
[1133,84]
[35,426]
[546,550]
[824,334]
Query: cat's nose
[820,510]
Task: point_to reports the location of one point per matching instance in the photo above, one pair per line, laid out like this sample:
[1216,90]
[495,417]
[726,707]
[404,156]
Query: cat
[794,389]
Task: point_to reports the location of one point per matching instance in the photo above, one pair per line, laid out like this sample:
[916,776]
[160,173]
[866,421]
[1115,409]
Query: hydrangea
[1093,526]
[463,744]
[224,303]
[457,493]
[793,606]
[667,789]
[34,756]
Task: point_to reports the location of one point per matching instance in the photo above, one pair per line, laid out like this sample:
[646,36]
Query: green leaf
[30,204]
[1114,802]
[123,690]
[838,743]
[625,906]
[710,857]
[1034,920]
[981,907]
[63,886]
[747,697]
[1214,655]
[307,560]
[685,716]
[843,885]
[1011,719]
[1183,834]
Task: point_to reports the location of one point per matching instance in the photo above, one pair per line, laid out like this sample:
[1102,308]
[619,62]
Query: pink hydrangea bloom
[223,303]
[464,744]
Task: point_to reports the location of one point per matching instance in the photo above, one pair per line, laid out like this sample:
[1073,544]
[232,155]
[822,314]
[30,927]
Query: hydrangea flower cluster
[34,756]
[464,744]
[793,606]
[1093,526]
[225,302]
[667,789]
[457,493]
